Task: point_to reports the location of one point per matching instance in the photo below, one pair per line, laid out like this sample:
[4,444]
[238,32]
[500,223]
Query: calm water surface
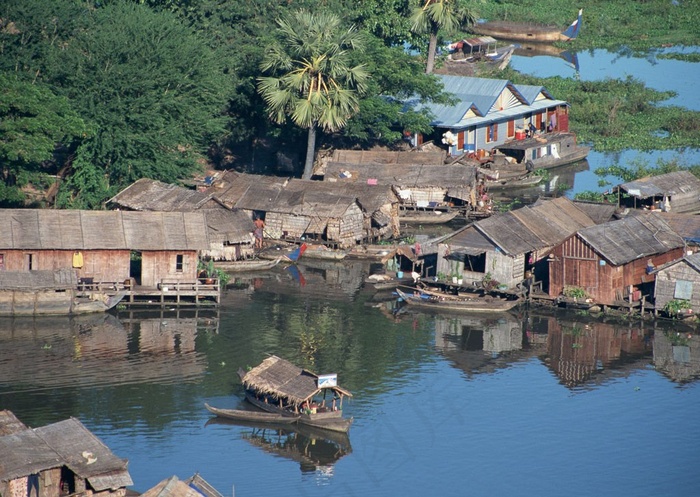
[657,73]
[529,403]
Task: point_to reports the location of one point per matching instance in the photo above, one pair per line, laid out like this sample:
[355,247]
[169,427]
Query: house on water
[141,253]
[490,112]
[679,281]
[230,231]
[677,192]
[509,247]
[56,460]
[613,262]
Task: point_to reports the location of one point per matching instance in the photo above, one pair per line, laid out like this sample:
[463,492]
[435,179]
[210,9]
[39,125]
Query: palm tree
[312,81]
[435,15]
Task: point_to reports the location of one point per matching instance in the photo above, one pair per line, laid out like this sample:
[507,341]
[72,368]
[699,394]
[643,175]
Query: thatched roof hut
[282,379]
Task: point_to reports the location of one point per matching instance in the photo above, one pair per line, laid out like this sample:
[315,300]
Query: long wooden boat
[458,304]
[248,264]
[522,31]
[324,253]
[279,387]
[254,416]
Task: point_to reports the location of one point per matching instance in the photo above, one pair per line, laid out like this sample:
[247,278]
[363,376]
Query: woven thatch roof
[389,157]
[282,379]
[66,443]
[151,195]
[51,229]
[60,279]
[247,191]
[631,238]
[403,175]
[663,184]
[225,225]
[370,197]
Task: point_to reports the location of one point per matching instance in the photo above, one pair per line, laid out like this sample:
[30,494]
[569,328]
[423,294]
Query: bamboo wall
[666,284]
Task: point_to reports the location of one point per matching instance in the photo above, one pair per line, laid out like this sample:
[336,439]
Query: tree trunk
[432,49]
[310,149]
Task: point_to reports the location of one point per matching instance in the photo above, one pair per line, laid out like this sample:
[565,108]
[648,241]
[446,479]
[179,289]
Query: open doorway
[135,260]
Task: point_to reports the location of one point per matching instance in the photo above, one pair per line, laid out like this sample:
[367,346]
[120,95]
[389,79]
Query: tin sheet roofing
[664,184]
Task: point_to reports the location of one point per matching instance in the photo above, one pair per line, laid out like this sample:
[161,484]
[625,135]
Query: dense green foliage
[115,90]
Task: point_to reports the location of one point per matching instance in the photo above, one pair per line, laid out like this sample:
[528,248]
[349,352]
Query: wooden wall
[162,265]
[576,264]
[102,265]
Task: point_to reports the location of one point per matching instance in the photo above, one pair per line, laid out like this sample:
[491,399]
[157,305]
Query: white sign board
[327,380]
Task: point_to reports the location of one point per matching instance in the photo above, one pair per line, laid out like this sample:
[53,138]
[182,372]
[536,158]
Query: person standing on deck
[259,226]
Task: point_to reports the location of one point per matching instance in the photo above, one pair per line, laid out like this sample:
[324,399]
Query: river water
[595,65]
[530,402]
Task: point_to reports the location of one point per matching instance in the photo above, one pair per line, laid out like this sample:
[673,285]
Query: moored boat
[542,151]
[248,264]
[254,416]
[427,216]
[523,31]
[454,303]
[279,387]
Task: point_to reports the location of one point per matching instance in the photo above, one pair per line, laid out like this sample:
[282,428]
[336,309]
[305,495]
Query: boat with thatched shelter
[278,386]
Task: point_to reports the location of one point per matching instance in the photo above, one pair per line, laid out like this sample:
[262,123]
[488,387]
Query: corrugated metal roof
[631,238]
[53,229]
[686,225]
[663,184]
[481,94]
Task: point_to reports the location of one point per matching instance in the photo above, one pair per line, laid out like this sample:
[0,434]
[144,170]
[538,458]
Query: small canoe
[248,264]
[427,216]
[256,416]
[458,304]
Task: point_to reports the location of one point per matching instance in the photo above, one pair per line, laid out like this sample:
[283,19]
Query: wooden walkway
[166,294]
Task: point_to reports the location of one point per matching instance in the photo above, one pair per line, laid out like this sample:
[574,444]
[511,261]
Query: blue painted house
[490,112]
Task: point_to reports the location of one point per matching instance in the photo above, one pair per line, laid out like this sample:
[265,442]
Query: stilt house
[610,262]
[507,248]
[416,185]
[57,460]
[677,192]
[678,280]
[489,112]
[230,231]
[100,245]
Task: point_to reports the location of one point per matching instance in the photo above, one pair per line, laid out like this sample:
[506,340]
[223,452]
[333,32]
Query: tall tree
[436,15]
[311,79]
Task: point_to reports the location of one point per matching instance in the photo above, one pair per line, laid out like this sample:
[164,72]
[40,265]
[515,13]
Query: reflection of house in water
[479,343]
[590,353]
[323,279]
[102,349]
[316,450]
[677,355]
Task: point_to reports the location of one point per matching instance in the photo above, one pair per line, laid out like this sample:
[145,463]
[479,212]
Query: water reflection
[580,352]
[101,349]
[315,450]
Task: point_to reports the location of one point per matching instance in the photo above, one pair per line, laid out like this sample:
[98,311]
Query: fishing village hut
[488,113]
[677,192]
[62,458]
[296,209]
[418,186]
[230,231]
[686,225]
[510,247]
[611,262]
[286,383]
[99,245]
[414,156]
[678,280]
